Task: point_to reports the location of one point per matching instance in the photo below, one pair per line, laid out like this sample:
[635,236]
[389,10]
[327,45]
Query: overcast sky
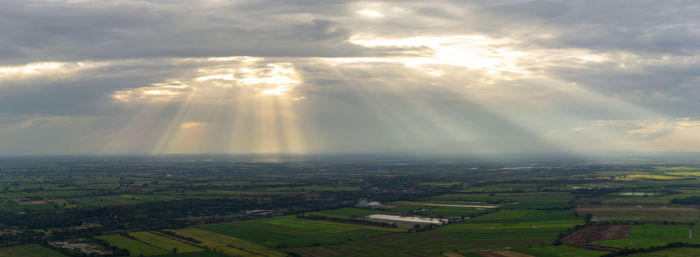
[308,76]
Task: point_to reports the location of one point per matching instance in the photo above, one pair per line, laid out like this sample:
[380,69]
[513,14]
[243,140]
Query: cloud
[96,30]
[193,124]
[447,76]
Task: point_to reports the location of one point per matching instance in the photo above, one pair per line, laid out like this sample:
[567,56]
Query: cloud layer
[300,76]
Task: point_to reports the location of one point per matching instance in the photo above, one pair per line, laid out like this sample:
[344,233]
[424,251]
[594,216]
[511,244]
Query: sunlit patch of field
[647,177]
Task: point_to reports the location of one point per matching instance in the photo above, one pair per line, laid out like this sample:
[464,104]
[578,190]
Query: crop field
[227,244]
[135,247]
[10,205]
[516,229]
[510,201]
[96,202]
[164,242]
[500,188]
[507,212]
[440,209]
[643,236]
[347,212]
[134,199]
[453,211]
[62,203]
[677,252]
[515,223]
[682,193]
[32,250]
[641,214]
[628,200]
[289,231]
[561,251]
[647,177]
[529,226]
[312,188]
[645,216]
[202,254]
[684,173]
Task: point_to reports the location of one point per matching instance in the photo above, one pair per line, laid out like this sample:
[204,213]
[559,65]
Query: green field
[135,247]
[515,224]
[312,188]
[518,229]
[289,231]
[510,201]
[164,242]
[644,236]
[432,208]
[198,254]
[561,251]
[227,244]
[347,212]
[646,216]
[677,252]
[32,250]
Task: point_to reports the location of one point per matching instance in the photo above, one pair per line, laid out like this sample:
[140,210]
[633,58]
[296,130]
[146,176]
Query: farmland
[645,236]
[226,244]
[31,250]
[134,247]
[290,231]
[229,208]
[164,243]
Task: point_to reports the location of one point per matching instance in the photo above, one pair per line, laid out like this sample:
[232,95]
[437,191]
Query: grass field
[198,254]
[678,252]
[227,244]
[510,201]
[453,211]
[164,242]
[561,251]
[347,212]
[518,229]
[32,250]
[135,248]
[684,173]
[647,177]
[643,214]
[313,188]
[289,231]
[433,208]
[63,203]
[644,236]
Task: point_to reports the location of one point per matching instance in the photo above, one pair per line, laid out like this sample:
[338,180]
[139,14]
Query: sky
[482,78]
